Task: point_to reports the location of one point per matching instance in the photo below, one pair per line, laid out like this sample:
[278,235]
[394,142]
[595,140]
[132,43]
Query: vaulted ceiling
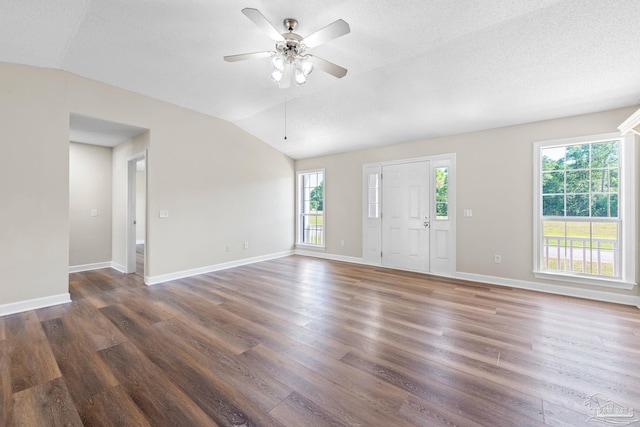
[417,68]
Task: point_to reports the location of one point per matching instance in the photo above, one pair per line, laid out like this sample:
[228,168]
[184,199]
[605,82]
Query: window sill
[602,282]
[309,246]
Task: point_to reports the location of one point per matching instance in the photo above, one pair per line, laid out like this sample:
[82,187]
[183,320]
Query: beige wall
[221,185]
[34,183]
[89,188]
[498,159]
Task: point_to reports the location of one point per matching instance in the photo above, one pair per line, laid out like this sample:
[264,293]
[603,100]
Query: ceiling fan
[289,60]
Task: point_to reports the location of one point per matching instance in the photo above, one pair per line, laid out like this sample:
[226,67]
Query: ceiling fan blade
[246,56]
[262,22]
[332,31]
[328,67]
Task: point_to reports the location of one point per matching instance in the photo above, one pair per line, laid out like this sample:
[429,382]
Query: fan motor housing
[292,45]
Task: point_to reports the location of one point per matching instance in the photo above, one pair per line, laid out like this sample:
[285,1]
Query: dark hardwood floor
[140,259]
[307,342]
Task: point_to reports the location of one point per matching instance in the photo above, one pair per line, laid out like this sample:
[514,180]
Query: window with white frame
[310,208]
[582,229]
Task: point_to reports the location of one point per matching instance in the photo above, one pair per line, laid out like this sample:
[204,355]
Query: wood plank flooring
[140,259]
[308,342]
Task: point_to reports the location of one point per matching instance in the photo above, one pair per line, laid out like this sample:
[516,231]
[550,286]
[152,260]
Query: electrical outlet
[497,259]
[228,248]
[341,242]
[164,213]
[94,212]
[246,245]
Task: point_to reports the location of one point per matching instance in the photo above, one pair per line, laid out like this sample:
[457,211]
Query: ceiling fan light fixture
[277,75]
[306,65]
[300,78]
[278,63]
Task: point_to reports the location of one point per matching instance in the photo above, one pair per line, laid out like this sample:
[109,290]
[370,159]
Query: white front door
[406,216]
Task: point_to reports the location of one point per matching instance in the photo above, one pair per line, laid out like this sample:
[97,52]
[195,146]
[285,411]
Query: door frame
[436,266]
[130,250]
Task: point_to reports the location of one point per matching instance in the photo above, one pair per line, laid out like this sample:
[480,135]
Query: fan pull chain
[285,117]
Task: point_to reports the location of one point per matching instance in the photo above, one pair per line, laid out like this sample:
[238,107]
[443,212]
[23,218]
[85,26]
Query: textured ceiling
[417,68]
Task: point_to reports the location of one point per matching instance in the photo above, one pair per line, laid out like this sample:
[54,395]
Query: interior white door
[406,216]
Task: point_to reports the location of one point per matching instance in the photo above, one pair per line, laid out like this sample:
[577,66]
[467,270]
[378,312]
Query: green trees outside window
[581,180]
[442,193]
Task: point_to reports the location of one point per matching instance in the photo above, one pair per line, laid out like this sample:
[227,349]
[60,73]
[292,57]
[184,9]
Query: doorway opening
[136,241]
[99,154]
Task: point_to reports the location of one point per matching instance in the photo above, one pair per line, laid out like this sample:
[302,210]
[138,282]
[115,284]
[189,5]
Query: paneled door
[406,216]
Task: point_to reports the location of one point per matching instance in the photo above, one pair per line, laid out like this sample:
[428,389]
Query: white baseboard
[553,289]
[154,280]
[96,266]
[88,267]
[33,304]
[501,281]
[333,257]
[118,267]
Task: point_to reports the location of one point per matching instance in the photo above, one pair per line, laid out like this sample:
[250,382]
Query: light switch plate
[164,213]
[468,213]
[94,212]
